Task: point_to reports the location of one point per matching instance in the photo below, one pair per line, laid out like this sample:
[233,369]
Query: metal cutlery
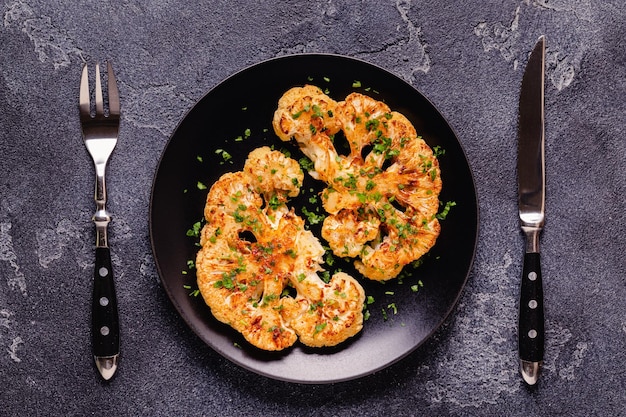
[100,133]
[531,200]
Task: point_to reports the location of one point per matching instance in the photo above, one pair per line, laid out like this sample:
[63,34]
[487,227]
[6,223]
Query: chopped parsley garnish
[225,156]
[194,231]
[444,213]
[366,315]
[274,202]
[313,218]
[193,293]
[372,124]
[438,151]
[319,327]
[416,287]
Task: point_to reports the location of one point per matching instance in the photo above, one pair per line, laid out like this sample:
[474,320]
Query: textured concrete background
[466,56]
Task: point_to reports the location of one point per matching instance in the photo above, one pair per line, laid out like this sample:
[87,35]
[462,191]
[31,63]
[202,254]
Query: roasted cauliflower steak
[382,198]
[256,253]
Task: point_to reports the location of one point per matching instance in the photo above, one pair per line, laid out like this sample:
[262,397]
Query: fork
[100,133]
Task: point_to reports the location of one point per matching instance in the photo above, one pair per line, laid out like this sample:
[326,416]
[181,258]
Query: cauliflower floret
[309,107]
[322,314]
[383,197]
[253,247]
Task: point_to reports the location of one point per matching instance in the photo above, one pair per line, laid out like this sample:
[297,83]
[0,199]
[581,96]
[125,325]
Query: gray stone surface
[466,56]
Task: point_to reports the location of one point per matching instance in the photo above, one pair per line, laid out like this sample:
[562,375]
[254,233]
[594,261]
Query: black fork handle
[105,322]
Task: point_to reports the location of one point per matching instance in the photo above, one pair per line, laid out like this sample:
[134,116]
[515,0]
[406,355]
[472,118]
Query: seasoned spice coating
[383,196]
[258,266]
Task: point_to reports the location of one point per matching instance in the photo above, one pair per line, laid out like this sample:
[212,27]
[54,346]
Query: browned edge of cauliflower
[382,198]
[253,247]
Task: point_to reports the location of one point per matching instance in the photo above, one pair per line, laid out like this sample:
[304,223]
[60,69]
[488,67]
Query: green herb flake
[319,327]
[194,231]
[330,260]
[274,202]
[438,151]
[446,210]
[306,164]
[313,218]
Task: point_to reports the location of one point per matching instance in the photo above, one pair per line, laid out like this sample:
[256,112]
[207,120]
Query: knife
[531,200]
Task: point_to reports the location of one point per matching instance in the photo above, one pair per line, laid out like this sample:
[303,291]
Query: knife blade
[531,201]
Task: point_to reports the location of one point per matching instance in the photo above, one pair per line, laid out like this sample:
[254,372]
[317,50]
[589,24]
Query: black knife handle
[531,324]
[105,333]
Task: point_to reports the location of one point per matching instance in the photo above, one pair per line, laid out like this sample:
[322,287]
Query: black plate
[400,318]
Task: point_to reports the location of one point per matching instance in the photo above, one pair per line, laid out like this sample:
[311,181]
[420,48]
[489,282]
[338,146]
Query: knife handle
[531,320]
[105,331]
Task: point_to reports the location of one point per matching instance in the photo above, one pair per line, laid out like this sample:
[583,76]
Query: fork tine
[84,93]
[99,101]
[114,95]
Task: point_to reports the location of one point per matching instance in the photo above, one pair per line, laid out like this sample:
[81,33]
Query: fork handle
[105,322]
